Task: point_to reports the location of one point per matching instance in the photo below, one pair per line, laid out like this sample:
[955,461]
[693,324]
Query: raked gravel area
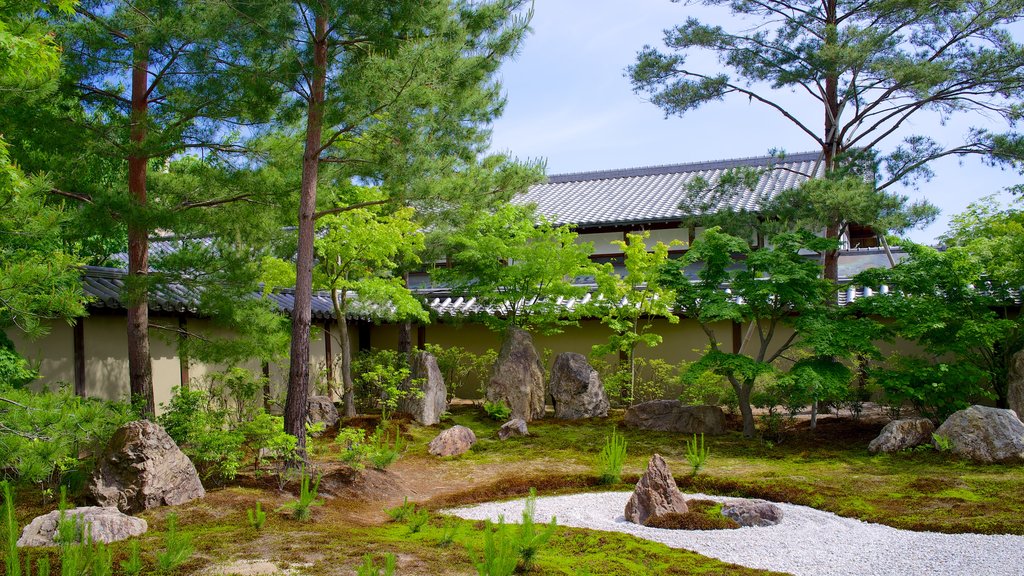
[807,541]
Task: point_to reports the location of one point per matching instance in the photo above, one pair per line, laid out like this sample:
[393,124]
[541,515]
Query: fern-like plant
[500,556]
[10,528]
[308,497]
[612,458]
[697,454]
[531,538]
[497,410]
[370,569]
[417,520]
[448,533]
[133,565]
[257,517]
[400,513]
[177,548]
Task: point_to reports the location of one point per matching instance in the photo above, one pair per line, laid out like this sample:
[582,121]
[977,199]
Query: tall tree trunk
[140,367]
[743,399]
[298,370]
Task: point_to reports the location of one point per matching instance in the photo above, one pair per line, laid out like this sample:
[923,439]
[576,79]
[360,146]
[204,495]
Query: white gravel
[807,542]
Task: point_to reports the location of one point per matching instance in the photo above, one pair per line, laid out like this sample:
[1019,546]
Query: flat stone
[985,435]
[656,494]
[576,388]
[757,513]
[452,442]
[514,427]
[142,468]
[674,416]
[105,524]
[518,377]
[902,434]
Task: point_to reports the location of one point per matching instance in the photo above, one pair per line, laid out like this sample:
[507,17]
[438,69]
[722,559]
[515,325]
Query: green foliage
[696,454]
[531,538]
[403,512]
[204,434]
[499,556]
[308,497]
[611,458]
[460,367]
[257,517]
[497,410]
[519,264]
[368,568]
[266,433]
[417,520]
[14,370]
[354,448]
[942,443]
[936,390]
[449,531]
[237,392]
[79,553]
[44,433]
[629,304]
[10,530]
[177,548]
[383,451]
[381,378]
[132,566]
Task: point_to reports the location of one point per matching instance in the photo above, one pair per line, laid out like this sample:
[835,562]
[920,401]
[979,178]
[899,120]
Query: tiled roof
[654,194]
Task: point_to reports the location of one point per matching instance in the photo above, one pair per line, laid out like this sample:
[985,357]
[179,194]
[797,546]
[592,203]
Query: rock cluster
[902,434]
[985,435]
[429,398]
[143,468]
[105,524]
[576,388]
[656,494]
[674,416]
[518,377]
[452,442]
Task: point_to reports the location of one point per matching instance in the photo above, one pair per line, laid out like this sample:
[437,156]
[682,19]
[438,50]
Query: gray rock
[656,494]
[518,377]
[674,416]
[429,399]
[902,434]
[1015,384]
[452,442]
[143,468]
[985,435]
[105,524]
[758,513]
[576,388]
[515,427]
[321,409]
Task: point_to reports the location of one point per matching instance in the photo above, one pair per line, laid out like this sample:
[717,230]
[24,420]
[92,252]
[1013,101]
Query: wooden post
[183,354]
[78,344]
[329,358]
[265,366]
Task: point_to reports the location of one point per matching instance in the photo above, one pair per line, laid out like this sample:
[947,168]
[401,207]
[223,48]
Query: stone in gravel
[518,377]
[106,524]
[514,427]
[452,442]
[656,494]
[752,512]
[985,435]
[674,416]
[902,434]
[321,409]
[576,388]
[1015,384]
[143,468]
[430,398]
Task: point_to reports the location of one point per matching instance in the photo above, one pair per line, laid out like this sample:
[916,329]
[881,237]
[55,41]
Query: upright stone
[321,410]
[1015,384]
[518,377]
[656,494]
[428,398]
[143,468]
[985,435]
[576,388]
[105,525]
[902,434]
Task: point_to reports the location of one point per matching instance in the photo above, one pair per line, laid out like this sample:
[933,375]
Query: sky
[571,104]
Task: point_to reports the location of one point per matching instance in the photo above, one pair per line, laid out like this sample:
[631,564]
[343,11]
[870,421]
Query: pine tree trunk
[140,367]
[298,371]
[831,144]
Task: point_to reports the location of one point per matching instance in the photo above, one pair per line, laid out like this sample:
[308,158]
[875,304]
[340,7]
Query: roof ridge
[675,168]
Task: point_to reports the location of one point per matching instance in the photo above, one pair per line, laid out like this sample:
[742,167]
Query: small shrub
[384,453]
[530,538]
[307,498]
[942,443]
[448,533]
[497,410]
[381,379]
[417,520]
[697,455]
[203,434]
[352,442]
[612,458]
[499,556]
[133,565]
[368,568]
[265,434]
[177,548]
[257,517]
[401,513]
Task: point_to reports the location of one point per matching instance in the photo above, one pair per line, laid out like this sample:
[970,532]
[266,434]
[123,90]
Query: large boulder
[674,416]
[1015,384]
[656,494]
[105,524]
[985,435]
[758,513]
[902,434]
[518,377]
[516,427]
[143,468]
[321,410]
[452,442]
[576,388]
[428,398]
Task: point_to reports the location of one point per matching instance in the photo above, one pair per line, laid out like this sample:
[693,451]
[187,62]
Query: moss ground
[828,468]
